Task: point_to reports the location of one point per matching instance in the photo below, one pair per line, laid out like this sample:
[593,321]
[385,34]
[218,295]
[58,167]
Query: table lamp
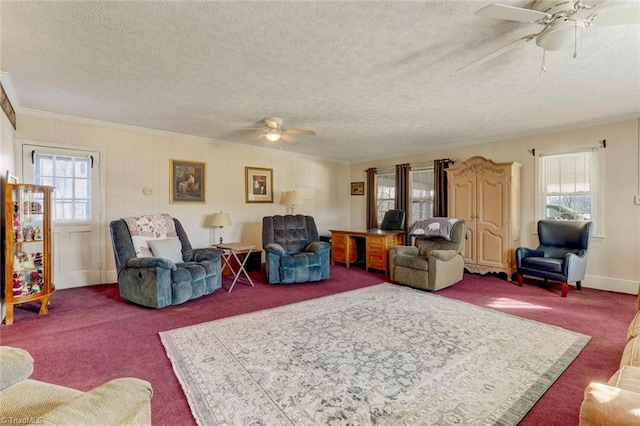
[219,220]
[292,199]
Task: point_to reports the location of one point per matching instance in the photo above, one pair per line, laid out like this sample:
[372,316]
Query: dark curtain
[372,205]
[440,199]
[403,194]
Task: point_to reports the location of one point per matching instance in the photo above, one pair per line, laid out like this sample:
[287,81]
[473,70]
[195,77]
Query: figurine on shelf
[35,282]
[17,229]
[27,233]
[37,259]
[18,287]
[36,234]
[23,261]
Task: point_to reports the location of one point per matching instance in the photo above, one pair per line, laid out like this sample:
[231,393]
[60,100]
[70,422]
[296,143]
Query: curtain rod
[601,145]
[388,169]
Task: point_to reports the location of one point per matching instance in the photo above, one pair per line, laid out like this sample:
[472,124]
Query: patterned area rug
[381,355]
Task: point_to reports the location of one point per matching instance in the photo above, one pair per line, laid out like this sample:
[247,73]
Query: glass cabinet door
[27,247]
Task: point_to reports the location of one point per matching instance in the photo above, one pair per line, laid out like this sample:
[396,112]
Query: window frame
[596,186]
[381,212]
[379,200]
[74,199]
[429,199]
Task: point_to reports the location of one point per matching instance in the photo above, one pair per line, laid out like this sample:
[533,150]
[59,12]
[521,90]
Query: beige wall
[7,136]
[614,259]
[133,159]
[6,164]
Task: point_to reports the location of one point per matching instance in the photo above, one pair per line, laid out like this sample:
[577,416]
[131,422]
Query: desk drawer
[377,241]
[339,248]
[377,260]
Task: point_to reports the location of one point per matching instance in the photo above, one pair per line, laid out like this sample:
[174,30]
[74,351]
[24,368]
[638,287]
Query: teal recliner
[293,251]
[164,279]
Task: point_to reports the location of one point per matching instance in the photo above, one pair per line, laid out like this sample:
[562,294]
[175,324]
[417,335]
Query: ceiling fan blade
[511,13]
[289,139]
[261,135]
[299,132]
[620,16]
[498,52]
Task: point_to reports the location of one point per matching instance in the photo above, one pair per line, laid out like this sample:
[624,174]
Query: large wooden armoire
[487,195]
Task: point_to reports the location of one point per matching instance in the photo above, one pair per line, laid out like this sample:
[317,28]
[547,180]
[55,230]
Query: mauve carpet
[91,335]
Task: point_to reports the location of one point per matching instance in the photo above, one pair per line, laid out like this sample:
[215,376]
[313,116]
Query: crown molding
[153,132]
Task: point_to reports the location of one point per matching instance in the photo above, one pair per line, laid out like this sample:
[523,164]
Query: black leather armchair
[393,220]
[561,256]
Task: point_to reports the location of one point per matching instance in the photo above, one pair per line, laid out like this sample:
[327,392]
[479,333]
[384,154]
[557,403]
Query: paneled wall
[614,260]
[134,159]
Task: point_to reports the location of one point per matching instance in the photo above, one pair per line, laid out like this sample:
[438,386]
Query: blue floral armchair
[293,252]
[159,272]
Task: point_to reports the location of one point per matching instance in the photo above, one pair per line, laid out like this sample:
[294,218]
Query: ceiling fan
[274,131]
[560,20]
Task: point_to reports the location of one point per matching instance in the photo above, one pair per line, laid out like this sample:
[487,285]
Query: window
[386,193]
[71,178]
[422,193]
[569,187]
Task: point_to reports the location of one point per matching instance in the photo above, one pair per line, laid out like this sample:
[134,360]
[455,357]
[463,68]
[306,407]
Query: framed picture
[258,185]
[357,188]
[187,181]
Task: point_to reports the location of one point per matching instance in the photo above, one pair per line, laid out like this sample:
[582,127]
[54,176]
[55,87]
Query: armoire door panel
[491,202]
[491,249]
[464,204]
[464,195]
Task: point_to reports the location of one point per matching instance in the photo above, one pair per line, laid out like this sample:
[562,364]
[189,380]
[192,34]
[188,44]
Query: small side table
[240,252]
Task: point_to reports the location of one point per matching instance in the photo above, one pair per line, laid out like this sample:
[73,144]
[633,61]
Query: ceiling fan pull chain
[543,67]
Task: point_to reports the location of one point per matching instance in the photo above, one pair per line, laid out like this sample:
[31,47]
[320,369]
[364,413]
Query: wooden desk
[344,247]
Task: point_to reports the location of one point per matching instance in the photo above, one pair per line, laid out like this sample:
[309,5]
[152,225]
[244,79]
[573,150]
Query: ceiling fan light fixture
[559,35]
[273,135]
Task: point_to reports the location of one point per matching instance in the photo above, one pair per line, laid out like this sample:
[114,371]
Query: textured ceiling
[373,79]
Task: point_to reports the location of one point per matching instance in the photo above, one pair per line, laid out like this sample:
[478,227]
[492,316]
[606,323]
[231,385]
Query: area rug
[381,355]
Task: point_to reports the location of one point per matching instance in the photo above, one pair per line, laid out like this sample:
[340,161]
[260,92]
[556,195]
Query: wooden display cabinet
[28,273]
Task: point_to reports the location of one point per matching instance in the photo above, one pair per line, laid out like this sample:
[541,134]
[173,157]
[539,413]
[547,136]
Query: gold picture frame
[187,181]
[357,188]
[258,185]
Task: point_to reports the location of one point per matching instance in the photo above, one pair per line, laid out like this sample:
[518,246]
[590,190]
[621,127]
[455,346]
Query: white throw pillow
[169,248]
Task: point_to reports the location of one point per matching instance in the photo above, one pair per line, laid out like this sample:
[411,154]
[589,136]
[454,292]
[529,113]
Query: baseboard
[610,284]
[590,281]
[111,276]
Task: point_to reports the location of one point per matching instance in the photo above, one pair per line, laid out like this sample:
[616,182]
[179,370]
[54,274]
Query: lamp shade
[273,135]
[292,198]
[219,220]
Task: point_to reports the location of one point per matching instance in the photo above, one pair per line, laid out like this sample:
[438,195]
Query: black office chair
[393,221]
[561,256]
